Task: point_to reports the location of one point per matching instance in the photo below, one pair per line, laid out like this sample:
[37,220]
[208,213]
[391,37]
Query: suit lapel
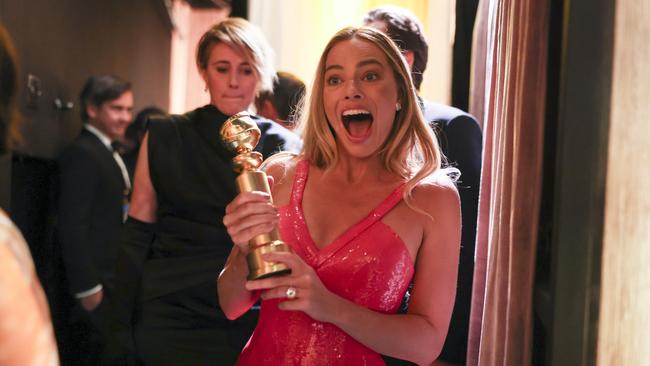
[107,160]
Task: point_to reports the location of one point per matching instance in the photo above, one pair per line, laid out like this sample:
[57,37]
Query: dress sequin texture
[368,264]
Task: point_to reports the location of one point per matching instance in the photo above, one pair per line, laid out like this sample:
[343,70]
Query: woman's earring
[398,106]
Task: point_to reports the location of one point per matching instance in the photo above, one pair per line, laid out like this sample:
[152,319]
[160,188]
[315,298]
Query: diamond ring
[291,292]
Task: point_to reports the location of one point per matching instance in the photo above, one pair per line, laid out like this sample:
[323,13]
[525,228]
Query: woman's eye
[247,71]
[333,80]
[222,70]
[371,76]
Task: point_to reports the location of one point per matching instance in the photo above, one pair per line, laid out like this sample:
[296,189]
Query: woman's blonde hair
[245,37]
[411,149]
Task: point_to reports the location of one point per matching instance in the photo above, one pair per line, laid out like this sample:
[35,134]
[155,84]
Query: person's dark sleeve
[78,185]
[277,138]
[465,144]
[135,244]
[464,148]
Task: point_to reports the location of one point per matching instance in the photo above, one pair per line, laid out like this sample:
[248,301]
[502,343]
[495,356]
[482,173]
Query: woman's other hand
[310,294]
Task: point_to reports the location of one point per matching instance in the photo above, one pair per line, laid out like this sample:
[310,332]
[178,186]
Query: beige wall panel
[298,31]
[624,328]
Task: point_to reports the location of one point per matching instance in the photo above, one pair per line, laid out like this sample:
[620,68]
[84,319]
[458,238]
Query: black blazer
[91,201]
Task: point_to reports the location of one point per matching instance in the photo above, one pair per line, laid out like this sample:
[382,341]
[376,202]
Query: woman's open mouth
[357,122]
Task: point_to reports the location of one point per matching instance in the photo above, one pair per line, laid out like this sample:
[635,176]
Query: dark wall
[63,42]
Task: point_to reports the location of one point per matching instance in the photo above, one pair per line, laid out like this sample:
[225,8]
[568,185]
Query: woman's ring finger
[291,292]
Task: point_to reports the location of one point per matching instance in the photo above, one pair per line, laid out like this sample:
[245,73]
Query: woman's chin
[230,109]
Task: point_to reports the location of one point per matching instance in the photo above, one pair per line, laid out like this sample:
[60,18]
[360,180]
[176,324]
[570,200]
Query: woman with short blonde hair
[174,242]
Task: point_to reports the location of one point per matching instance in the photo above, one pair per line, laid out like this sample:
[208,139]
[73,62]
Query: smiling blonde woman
[366,209]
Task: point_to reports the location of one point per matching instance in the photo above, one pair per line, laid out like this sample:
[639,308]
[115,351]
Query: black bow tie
[116,146]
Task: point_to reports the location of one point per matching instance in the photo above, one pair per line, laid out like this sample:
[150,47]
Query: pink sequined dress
[368,264]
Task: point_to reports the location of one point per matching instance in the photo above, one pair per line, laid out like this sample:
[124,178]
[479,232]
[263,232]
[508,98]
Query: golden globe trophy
[240,134]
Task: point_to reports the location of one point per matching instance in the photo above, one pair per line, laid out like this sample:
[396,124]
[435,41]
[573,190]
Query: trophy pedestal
[259,268]
[255,180]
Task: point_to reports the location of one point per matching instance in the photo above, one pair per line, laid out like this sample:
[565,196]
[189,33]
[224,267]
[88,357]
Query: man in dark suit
[94,190]
[461,140]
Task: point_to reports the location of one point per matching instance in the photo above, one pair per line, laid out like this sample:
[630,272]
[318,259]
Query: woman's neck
[353,170]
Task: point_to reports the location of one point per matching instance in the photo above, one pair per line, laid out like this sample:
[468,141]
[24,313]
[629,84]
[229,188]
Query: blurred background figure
[93,198]
[134,135]
[26,334]
[281,103]
[461,141]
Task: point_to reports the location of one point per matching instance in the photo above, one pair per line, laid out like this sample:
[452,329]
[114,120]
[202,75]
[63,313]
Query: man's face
[114,116]
[382,26]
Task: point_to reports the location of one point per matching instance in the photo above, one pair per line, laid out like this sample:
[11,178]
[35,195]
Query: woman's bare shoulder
[436,192]
[280,166]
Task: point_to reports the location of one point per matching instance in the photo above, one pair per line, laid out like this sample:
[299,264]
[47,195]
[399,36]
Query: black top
[193,176]
[174,308]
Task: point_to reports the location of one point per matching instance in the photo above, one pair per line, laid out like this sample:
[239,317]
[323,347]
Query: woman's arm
[144,201]
[247,216]
[137,235]
[417,336]
[420,334]
[234,299]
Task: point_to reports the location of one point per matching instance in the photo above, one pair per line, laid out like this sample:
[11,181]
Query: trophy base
[259,268]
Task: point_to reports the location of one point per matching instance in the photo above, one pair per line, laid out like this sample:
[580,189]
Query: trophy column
[240,134]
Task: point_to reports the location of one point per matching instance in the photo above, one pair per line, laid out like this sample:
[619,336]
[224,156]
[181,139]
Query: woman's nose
[352,90]
[232,80]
